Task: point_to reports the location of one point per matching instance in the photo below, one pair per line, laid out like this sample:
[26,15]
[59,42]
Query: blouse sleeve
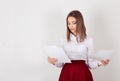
[92,63]
[58,63]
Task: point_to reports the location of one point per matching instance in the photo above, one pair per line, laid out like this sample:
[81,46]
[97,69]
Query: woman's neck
[74,34]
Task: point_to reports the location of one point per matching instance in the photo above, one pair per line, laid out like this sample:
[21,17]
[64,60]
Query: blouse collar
[73,37]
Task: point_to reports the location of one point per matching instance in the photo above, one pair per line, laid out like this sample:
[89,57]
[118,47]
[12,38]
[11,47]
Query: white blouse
[79,51]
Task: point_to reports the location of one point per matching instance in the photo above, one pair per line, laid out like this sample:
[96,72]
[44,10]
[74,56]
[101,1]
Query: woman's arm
[55,62]
[92,63]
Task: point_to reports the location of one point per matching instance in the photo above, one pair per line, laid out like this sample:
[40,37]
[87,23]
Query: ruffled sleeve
[61,44]
[92,63]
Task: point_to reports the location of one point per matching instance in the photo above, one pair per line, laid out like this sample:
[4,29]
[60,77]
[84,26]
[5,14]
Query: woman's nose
[71,25]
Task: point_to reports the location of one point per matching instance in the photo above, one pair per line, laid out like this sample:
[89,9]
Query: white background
[27,25]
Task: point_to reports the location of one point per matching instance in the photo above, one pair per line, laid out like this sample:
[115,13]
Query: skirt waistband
[77,61]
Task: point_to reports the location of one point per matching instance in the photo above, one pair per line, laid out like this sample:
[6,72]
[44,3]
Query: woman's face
[72,24]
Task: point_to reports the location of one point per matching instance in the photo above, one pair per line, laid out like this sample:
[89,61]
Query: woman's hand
[51,60]
[104,62]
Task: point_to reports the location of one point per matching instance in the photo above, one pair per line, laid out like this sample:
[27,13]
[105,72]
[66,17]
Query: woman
[78,47]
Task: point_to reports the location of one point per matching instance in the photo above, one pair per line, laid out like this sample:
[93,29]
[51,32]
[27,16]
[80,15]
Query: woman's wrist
[99,64]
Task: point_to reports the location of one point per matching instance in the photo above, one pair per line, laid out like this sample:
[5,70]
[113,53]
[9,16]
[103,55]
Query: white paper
[102,54]
[57,52]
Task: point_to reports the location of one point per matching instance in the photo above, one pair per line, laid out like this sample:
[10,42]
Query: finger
[55,59]
[103,62]
[108,60]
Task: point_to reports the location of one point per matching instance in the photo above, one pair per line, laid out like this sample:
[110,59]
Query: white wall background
[27,25]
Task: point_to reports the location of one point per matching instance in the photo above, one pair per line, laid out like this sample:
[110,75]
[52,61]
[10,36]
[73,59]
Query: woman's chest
[75,47]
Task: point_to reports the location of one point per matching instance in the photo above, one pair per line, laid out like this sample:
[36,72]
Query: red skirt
[75,71]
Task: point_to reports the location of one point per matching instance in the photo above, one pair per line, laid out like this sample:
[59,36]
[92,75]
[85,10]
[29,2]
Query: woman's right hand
[52,60]
[104,62]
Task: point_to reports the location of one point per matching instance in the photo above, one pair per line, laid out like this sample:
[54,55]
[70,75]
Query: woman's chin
[73,32]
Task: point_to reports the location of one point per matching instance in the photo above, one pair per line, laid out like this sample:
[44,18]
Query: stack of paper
[102,54]
[57,52]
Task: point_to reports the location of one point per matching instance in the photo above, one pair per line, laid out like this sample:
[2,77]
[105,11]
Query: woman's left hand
[104,62]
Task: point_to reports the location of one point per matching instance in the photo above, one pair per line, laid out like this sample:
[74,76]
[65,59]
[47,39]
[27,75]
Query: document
[102,54]
[57,52]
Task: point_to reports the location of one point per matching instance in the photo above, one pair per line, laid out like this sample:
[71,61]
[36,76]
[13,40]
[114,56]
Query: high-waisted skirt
[77,70]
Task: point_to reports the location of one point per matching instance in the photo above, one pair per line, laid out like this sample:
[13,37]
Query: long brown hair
[80,26]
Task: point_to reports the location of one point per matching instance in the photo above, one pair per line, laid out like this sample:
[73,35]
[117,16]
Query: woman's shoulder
[89,37]
[62,41]
[63,38]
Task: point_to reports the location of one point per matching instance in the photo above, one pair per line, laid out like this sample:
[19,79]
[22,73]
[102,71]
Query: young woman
[78,47]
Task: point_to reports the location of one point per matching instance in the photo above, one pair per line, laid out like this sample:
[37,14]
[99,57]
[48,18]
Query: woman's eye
[74,22]
[68,23]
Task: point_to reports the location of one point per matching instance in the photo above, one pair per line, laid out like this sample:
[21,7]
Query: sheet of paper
[103,54]
[57,52]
